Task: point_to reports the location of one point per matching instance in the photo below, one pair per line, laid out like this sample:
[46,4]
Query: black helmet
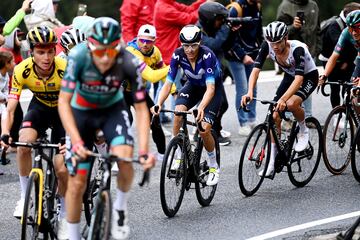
[41,36]
[208,12]
[190,34]
[276,31]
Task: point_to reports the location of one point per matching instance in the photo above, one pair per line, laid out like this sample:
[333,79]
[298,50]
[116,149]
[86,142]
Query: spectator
[249,38]
[169,18]
[345,63]
[134,14]
[219,38]
[302,19]
[43,14]
[10,25]
[7,65]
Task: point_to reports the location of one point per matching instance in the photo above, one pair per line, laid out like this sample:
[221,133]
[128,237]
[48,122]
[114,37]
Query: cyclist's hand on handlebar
[5,140]
[280,106]
[147,161]
[80,151]
[245,99]
[155,109]
[62,149]
[200,115]
[322,80]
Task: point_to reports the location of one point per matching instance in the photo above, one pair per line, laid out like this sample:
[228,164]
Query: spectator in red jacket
[134,14]
[169,18]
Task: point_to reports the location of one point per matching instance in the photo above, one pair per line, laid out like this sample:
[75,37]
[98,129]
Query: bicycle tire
[29,225]
[178,177]
[101,218]
[336,141]
[256,143]
[204,193]
[50,223]
[297,175]
[355,156]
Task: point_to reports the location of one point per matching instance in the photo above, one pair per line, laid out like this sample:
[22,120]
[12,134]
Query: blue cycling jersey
[207,68]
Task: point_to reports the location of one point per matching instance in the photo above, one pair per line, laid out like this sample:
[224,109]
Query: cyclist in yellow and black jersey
[45,89]
[42,74]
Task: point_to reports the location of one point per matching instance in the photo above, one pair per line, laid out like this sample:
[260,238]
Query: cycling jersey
[94,90]
[206,71]
[345,39]
[299,60]
[46,90]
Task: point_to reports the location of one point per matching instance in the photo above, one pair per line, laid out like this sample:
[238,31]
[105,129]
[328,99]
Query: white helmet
[190,34]
[276,31]
[72,37]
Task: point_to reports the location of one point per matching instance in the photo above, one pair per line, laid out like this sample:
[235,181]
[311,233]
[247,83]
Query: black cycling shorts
[41,117]
[308,86]
[114,121]
[190,95]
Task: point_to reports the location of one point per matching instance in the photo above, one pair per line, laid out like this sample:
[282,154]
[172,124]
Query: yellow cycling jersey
[46,90]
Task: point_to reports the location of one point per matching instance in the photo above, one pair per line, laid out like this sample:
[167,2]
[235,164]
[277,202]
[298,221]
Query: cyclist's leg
[30,128]
[118,134]
[76,185]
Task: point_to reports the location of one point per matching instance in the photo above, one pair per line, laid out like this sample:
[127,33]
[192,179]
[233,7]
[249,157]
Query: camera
[301,15]
[82,9]
[236,21]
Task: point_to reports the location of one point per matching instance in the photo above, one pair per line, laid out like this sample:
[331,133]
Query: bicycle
[192,168]
[40,208]
[355,147]
[100,224]
[339,131]
[255,155]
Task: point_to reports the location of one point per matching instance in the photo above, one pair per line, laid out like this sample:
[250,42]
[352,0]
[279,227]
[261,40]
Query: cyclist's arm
[143,126]
[164,92]
[208,95]
[8,119]
[253,80]
[299,57]
[330,65]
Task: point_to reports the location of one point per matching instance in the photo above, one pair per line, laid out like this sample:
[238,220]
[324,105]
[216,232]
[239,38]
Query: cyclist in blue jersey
[202,72]
[90,99]
[349,36]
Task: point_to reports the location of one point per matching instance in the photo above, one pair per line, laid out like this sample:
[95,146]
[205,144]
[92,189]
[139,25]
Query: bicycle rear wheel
[254,158]
[29,220]
[101,218]
[338,136]
[172,180]
[205,193]
[303,165]
[355,156]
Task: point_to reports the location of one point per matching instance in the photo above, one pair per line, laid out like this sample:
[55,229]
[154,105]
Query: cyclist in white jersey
[300,80]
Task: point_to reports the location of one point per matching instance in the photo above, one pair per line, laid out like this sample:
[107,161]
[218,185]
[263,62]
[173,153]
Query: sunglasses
[188,46]
[110,52]
[146,41]
[354,29]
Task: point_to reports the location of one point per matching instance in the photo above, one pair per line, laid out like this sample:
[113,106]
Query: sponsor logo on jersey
[26,72]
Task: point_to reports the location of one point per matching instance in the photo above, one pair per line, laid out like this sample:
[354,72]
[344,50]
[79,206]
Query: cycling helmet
[41,36]
[190,34]
[276,31]
[208,12]
[353,19]
[72,37]
[105,30]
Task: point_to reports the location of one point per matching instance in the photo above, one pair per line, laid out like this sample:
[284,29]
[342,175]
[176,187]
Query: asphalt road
[277,205]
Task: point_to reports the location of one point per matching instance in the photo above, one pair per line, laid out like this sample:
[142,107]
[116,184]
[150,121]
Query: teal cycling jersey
[345,39]
[93,90]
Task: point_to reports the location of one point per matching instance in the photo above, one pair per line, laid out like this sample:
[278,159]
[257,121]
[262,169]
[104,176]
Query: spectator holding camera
[302,19]
[249,37]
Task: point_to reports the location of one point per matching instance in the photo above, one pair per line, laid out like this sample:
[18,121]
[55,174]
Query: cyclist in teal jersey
[350,35]
[91,99]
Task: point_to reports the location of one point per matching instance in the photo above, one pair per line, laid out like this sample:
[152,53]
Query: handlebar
[183,113]
[322,87]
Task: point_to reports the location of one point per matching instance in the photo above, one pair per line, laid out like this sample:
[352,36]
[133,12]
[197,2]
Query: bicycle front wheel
[355,156]
[101,218]
[172,178]
[205,193]
[303,165]
[29,221]
[254,158]
[338,136]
